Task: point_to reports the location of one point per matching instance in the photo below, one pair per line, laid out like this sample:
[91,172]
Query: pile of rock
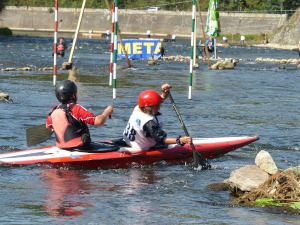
[225,64]
[250,177]
[263,180]
[17,69]
[278,61]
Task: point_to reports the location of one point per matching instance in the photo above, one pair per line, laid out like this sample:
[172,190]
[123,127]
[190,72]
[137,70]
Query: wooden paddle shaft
[198,158]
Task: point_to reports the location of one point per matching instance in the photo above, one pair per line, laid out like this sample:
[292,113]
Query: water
[254,98]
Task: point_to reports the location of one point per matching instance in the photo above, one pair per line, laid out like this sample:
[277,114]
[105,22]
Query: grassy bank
[254,38]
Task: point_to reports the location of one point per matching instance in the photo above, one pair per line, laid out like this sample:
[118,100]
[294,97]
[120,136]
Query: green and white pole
[115,51]
[192,48]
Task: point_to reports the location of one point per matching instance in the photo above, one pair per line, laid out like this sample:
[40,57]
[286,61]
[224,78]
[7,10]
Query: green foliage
[5,31]
[2,4]
[295,205]
[267,202]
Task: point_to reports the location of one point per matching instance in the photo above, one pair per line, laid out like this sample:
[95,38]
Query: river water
[254,98]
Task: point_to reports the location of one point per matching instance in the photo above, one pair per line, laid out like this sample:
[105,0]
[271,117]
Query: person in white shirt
[173,37]
[242,40]
[148,33]
[144,128]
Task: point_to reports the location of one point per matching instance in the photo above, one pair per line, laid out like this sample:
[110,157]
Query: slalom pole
[192,49]
[120,38]
[55,42]
[112,44]
[115,51]
[195,44]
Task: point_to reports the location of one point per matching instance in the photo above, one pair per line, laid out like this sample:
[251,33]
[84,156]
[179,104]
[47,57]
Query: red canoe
[105,155]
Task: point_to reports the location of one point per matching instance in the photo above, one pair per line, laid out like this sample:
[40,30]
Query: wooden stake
[205,46]
[77,31]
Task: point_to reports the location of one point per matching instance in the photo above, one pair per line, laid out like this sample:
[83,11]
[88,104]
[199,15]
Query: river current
[254,98]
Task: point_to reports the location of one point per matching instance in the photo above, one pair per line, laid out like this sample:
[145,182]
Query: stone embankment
[264,182]
[135,22]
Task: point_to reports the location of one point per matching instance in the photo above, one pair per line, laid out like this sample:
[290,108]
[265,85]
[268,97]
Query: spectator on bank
[242,41]
[225,39]
[162,51]
[148,33]
[173,38]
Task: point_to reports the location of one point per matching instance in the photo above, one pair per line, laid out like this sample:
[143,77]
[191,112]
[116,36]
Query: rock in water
[265,162]
[67,65]
[247,178]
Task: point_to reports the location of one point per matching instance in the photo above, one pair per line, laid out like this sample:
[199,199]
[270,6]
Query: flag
[213,26]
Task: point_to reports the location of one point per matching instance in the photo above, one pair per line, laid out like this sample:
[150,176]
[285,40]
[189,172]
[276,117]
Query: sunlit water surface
[254,98]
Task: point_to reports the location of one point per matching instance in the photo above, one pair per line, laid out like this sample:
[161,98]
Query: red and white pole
[112,45]
[55,43]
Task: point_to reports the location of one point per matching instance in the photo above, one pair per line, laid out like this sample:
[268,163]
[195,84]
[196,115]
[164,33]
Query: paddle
[198,158]
[38,134]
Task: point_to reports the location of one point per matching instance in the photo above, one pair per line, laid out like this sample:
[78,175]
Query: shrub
[5,31]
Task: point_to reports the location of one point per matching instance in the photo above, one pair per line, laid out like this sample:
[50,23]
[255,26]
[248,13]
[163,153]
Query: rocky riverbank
[264,184]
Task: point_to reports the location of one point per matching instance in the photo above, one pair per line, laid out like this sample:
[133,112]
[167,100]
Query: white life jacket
[133,133]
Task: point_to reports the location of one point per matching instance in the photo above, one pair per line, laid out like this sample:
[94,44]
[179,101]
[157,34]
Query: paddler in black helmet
[69,120]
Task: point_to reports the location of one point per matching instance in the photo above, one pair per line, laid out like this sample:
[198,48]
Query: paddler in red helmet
[144,128]
[69,120]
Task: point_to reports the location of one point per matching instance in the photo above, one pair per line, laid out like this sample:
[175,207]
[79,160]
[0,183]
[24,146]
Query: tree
[2,4]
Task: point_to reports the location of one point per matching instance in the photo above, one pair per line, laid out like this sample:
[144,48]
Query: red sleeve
[49,119]
[83,114]
[49,122]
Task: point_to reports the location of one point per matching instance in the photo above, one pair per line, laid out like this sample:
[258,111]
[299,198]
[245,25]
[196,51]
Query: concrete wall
[135,22]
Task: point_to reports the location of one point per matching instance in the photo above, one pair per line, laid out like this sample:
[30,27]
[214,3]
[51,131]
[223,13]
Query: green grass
[249,37]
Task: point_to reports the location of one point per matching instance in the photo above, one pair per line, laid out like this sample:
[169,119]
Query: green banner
[213,26]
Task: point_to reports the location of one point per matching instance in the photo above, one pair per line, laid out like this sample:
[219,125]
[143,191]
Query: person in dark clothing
[69,120]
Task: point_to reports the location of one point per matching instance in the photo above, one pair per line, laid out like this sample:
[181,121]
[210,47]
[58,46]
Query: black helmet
[64,91]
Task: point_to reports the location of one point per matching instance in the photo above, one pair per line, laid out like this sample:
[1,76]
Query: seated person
[144,128]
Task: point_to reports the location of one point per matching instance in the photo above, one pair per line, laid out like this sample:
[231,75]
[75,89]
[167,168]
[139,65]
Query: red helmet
[149,98]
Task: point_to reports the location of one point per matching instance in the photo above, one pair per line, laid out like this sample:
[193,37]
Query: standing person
[144,128]
[62,46]
[210,44]
[225,39]
[69,119]
[162,51]
[242,41]
[173,38]
[148,33]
